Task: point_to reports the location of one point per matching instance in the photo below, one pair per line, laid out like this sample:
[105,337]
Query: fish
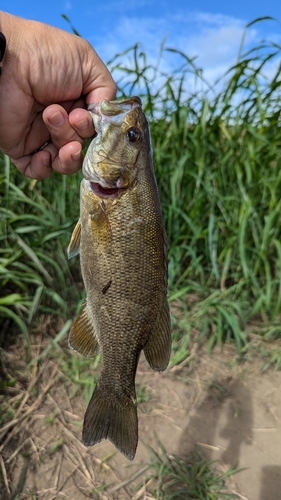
[122,243]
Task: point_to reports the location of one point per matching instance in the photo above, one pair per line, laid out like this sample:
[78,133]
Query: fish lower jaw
[103,192]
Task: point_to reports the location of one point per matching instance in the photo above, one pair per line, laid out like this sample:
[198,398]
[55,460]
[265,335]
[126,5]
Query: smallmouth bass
[123,254]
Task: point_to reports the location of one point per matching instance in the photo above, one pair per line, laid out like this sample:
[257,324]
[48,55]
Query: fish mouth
[114,111]
[103,192]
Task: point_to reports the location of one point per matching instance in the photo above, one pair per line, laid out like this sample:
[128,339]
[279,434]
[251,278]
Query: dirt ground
[228,409]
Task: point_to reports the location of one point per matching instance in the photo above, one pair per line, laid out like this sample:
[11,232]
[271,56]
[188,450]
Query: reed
[217,160]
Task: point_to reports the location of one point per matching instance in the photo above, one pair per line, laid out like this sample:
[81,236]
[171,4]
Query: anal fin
[158,347]
[82,337]
[74,245]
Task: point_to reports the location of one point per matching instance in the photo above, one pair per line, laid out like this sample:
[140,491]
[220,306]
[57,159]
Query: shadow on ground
[225,427]
[231,398]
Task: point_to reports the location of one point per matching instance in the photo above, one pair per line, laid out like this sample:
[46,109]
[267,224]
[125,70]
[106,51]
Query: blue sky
[211,31]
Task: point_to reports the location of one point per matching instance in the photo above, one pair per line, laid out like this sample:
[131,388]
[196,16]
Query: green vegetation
[194,478]
[217,161]
[35,225]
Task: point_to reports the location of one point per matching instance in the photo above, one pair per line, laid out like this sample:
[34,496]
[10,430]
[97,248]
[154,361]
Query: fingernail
[46,162]
[56,119]
[77,156]
[83,124]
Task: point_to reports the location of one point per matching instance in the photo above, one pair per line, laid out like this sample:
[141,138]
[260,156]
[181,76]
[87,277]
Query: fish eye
[133,134]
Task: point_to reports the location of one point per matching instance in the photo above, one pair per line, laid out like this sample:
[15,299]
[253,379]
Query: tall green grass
[35,220]
[217,160]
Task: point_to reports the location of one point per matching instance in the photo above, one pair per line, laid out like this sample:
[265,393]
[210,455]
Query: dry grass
[36,428]
[42,456]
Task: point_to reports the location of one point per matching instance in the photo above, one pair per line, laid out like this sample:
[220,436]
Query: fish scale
[123,255]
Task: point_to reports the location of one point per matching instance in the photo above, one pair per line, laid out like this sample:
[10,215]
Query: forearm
[7,26]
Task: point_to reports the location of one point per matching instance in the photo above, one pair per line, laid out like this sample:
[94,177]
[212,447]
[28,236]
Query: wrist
[4,35]
[2,40]
[2,49]
[5,27]
[10,28]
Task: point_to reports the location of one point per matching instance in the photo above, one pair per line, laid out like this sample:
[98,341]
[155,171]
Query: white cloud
[216,19]
[213,39]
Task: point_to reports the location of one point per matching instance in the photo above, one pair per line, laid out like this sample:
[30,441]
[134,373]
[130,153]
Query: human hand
[48,78]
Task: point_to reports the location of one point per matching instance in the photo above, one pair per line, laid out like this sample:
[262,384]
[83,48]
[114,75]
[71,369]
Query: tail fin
[107,419]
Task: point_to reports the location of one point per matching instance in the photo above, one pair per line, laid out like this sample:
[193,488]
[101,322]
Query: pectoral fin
[74,245]
[82,337]
[158,348]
